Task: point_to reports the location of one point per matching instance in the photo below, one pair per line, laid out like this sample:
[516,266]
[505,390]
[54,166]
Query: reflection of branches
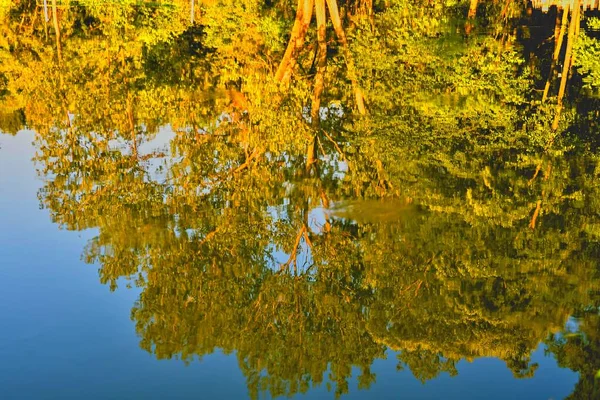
[223,177]
[337,147]
[213,180]
[294,254]
[537,171]
[418,284]
[209,236]
[246,163]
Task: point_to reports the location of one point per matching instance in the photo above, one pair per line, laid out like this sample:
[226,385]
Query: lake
[395,200]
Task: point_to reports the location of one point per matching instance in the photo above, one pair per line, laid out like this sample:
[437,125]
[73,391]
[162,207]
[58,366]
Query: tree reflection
[447,222]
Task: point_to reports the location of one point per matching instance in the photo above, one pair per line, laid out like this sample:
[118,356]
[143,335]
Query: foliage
[449,222]
[587,56]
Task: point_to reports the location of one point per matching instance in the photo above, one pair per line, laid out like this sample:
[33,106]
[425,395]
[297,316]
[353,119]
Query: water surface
[180,220]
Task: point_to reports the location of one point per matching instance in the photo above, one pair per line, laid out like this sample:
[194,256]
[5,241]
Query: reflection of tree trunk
[471,16]
[56,30]
[46,19]
[473,9]
[339,30]
[303,17]
[311,153]
[578,26]
[367,8]
[567,62]
[557,47]
[536,213]
[505,9]
[134,149]
[364,9]
[577,20]
[321,63]
[315,114]
[325,203]
[33,21]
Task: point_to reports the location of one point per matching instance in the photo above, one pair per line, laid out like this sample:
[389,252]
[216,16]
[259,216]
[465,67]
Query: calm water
[66,336]
[404,207]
